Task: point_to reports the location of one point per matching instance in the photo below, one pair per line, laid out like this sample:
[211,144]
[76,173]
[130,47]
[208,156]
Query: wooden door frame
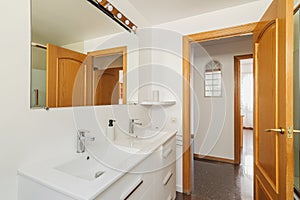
[237,106]
[186,113]
[106,52]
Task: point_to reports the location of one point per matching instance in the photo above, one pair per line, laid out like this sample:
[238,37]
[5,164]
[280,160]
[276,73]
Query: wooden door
[66,77]
[106,86]
[273,158]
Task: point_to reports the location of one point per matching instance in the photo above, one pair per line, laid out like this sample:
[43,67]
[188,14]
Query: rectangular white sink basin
[84,167]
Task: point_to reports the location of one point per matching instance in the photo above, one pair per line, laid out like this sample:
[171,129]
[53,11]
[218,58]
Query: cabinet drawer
[129,187]
[168,152]
[163,157]
[168,181]
[136,190]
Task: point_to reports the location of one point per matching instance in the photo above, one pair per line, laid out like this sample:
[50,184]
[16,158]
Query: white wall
[131,41]
[229,17]
[78,46]
[167,44]
[32,135]
[28,135]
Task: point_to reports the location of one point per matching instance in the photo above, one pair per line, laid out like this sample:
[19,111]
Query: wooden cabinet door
[66,77]
[273,163]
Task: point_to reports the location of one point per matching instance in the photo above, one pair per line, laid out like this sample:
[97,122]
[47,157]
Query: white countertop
[115,162]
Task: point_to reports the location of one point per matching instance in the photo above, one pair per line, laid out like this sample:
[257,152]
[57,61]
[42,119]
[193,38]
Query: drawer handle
[135,187]
[167,153]
[167,178]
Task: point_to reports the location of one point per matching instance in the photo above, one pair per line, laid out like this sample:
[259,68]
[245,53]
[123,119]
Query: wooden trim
[237,107]
[237,111]
[112,51]
[213,158]
[124,85]
[187,168]
[223,33]
[108,52]
[187,41]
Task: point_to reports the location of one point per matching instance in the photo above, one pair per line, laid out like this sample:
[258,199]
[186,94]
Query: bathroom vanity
[145,169]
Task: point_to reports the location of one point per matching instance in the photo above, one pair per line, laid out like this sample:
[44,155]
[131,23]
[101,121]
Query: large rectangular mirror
[68,67]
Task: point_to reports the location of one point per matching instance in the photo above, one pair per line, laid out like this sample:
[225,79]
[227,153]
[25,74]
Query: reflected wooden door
[106,86]
[273,163]
[66,77]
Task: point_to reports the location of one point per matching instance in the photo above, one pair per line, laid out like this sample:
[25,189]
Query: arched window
[213,79]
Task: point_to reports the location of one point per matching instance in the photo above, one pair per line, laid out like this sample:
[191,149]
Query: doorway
[187,42]
[243,103]
[212,117]
[109,68]
[273,101]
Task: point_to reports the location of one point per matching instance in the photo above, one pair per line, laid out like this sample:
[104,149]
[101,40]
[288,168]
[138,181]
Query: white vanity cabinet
[153,178]
[150,176]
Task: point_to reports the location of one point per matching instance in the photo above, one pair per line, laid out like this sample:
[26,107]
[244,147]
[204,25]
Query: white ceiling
[162,11]
[62,22]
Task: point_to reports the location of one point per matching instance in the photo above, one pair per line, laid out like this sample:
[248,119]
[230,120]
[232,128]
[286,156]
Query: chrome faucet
[81,139]
[133,122]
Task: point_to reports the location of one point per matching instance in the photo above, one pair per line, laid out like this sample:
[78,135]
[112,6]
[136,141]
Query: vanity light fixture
[119,15]
[107,8]
[110,8]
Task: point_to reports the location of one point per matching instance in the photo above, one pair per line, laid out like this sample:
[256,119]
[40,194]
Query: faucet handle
[81,133]
[136,123]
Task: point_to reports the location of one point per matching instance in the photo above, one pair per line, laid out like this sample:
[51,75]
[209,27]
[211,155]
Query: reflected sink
[84,167]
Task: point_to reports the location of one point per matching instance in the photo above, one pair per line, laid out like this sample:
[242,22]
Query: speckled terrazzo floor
[216,180]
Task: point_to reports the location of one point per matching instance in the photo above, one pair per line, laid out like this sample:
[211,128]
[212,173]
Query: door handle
[280,130]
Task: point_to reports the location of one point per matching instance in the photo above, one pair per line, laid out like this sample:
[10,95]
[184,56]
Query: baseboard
[212,158]
[179,189]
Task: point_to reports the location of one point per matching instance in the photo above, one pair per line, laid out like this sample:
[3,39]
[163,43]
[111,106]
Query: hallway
[216,180]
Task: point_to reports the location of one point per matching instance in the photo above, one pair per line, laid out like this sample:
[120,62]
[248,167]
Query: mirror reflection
[63,72]
[109,84]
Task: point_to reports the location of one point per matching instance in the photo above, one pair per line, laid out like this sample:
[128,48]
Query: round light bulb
[110,8]
[133,27]
[119,15]
[127,22]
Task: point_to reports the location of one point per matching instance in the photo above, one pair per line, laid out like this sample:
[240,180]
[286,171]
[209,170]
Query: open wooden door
[66,78]
[273,156]
[106,86]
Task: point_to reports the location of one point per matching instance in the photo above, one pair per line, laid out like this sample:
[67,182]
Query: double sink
[88,168]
